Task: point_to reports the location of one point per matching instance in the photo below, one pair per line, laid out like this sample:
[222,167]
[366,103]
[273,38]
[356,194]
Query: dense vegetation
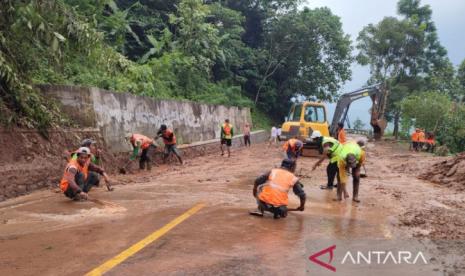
[248,53]
[426,91]
[256,53]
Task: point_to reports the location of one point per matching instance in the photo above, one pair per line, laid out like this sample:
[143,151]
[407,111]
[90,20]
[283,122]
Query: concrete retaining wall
[116,114]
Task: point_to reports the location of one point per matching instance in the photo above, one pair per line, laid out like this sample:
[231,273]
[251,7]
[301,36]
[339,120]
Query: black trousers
[247,140]
[355,181]
[331,171]
[84,183]
[277,212]
[145,159]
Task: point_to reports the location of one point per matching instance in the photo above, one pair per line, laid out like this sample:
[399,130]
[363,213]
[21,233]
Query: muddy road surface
[46,234]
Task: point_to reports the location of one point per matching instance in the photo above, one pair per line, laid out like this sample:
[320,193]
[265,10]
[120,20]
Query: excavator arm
[378,94]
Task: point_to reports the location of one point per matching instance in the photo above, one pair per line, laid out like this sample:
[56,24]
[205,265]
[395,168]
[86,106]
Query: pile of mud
[450,172]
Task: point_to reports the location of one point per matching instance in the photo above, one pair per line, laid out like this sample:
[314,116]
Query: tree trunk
[396,125]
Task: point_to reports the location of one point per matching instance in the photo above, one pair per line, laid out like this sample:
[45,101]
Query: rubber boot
[149,166]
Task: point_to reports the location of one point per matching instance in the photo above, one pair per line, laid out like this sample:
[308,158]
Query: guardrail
[365,132]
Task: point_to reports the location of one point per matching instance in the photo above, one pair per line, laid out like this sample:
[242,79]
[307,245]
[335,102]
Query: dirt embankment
[29,161]
[450,172]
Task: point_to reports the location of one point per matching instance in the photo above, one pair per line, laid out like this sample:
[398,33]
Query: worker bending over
[80,175]
[293,148]
[271,190]
[141,143]
[351,157]
[227,133]
[169,139]
[331,149]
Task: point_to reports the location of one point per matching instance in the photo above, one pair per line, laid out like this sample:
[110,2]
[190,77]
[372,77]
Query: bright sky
[448,15]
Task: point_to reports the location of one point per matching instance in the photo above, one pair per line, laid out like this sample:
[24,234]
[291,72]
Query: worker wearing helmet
[80,175]
[169,139]
[271,190]
[351,157]
[330,147]
[94,157]
[95,152]
[293,148]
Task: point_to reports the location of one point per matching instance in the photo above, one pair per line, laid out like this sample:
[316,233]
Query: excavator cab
[303,119]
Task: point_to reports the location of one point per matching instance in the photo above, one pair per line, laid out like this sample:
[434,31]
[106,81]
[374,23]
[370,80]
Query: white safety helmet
[315,134]
[82,150]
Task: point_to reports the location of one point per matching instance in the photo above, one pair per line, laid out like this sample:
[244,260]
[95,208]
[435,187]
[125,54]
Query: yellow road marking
[105,267]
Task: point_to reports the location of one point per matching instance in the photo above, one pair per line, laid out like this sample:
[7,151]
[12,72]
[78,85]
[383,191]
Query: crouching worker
[271,190]
[80,175]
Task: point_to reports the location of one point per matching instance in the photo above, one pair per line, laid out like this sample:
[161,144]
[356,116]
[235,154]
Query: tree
[406,54]
[461,82]
[418,108]
[306,53]
[358,124]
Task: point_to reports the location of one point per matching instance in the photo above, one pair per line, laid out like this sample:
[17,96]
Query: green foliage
[255,54]
[437,113]
[261,120]
[419,108]
[358,124]
[406,54]
[452,131]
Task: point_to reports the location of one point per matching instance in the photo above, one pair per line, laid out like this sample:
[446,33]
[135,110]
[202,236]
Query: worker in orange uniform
[421,139]
[81,175]
[141,143]
[169,139]
[430,142]
[293,148]
[341,133]
[416,139]
[271,190]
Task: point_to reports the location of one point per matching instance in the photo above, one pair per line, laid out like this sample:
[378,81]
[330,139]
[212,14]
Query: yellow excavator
[306,117]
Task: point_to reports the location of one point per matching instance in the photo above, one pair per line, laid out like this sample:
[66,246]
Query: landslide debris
[450,172]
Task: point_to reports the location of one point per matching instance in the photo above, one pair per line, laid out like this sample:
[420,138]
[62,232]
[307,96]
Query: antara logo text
[377,257]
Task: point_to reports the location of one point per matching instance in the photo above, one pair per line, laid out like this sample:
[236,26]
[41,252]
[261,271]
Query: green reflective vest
[350,148]
[335,150]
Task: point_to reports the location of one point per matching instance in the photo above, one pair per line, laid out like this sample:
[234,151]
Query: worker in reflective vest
[430,142]
[416,140]
[227,133]
[169,139]
[271,190]
[341,133]
[331,148]
[141,143]
[293,148]
[80,175]
[351,157]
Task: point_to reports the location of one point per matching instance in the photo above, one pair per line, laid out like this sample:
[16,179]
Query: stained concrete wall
[115,114]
